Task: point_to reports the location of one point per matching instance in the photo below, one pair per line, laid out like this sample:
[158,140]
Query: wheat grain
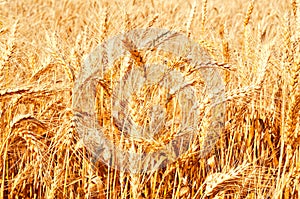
[41,47]
[204,15]
[191,18]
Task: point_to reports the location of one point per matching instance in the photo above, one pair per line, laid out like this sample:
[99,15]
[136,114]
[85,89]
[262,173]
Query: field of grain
[42,45]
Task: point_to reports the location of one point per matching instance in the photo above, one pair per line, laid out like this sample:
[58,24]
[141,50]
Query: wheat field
[42,45]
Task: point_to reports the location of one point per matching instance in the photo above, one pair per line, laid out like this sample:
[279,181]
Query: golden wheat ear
[254,46]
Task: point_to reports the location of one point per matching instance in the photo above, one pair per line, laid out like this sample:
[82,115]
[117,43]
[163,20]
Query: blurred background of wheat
[42,43]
